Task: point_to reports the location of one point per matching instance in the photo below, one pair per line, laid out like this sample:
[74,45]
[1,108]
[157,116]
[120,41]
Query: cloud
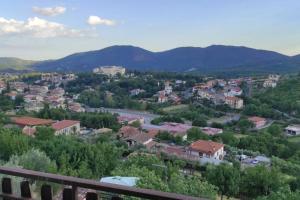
[37,27]
[49,11]
[95,20]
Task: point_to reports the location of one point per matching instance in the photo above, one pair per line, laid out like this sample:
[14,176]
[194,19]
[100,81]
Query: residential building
[12,95]
[66,127]
[209,149]
[133,136]
[136,92]
[211,131]
[75,107]
[162,98]
[258,122]
[274,77]
[234,102]
[31,121]
[110,70]
[33,106]
[129,119]
[168,88]
[234,91]
[270,83]
[292,130]
[176,129]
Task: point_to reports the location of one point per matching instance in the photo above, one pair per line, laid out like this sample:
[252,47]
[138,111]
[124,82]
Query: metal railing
[72,185]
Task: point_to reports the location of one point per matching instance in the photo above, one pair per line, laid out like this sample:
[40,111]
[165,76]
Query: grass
[238,136]
[175,108]
[294,139]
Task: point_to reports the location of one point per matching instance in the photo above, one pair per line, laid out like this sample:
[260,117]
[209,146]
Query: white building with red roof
[66,127]
[258,122]
[208,149]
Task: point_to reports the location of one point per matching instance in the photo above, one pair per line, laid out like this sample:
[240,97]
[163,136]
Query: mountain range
[211,59]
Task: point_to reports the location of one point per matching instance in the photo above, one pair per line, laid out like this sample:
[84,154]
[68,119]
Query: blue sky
[48,29]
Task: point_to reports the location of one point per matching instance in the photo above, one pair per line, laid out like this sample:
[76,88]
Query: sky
[51,29]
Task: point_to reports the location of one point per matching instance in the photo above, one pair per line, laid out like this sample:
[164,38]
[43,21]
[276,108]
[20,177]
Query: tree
[199,122]
[12,142]
[275,130]
[196,134]
[226,178]
[260,181]
[34,160]
[244,124]
[44,133]
[153,173]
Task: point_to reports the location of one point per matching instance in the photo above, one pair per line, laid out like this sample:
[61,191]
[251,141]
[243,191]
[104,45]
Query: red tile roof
[31,121]
[256,119]
[207,147]
[64,124]
[128,131]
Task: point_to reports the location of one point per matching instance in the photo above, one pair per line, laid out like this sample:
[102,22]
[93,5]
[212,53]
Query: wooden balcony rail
[70,192]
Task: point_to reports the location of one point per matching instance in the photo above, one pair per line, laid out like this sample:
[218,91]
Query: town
[201,121]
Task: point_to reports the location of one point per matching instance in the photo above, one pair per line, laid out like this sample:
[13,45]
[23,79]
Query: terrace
[71,186]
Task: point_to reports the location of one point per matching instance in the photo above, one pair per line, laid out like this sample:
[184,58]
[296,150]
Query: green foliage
[165,136]
[259,181]
[200,121]
[226,178]
[285,97]
[167,118]
[244,124]
[90,120]
[195,133]
[284,193]
[33,160]
[154,174]
[12,142]
[44,133]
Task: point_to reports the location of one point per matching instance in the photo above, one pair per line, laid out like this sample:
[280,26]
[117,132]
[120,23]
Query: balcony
[72,188]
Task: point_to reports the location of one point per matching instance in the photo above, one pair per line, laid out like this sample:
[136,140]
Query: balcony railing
[71,185]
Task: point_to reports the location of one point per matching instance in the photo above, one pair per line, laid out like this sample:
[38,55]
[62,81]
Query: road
[146,115]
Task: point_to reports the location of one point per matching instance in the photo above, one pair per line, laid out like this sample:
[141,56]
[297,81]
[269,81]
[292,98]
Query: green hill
[14,63]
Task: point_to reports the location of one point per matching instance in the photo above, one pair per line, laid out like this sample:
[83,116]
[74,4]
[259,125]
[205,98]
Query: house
[136,92]
[30,131]
[176,129]
[12,95]
[75,107]
[234,91]
[133,136]
[129,119]
[269,83]
[127,131]
[274,77]
[209,149]
[66,127]
[211,131]
[175,98]
[162,98]
[168,88]
[57,92]
[110,70]
[258,122]
[292,130]
[2,86]
[234,102]
[31,121]
[33,106]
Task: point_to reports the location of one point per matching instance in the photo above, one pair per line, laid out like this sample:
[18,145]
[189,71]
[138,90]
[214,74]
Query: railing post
[25,189]
[91,196]
[74,192]
[46,192]
[6,186]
